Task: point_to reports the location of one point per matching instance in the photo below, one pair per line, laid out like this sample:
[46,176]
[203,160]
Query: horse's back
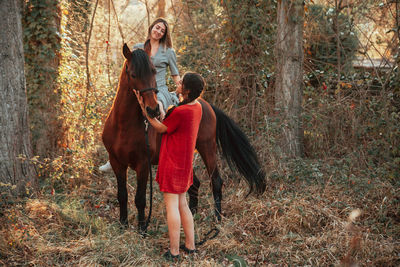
[207,129]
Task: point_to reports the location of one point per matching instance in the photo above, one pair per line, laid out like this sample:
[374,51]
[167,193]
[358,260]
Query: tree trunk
[289,74]
[42,44]
[161,9]
[397,26]
[14,129]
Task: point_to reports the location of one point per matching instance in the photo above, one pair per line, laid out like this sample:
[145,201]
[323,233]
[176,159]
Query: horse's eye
[131,74]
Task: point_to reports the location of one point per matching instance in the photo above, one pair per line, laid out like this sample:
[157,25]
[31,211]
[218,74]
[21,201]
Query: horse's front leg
[120,173]
[142,173]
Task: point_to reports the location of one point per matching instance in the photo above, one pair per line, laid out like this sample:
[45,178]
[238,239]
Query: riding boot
[106,167]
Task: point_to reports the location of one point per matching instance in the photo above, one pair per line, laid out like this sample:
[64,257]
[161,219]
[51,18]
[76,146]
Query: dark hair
[194,83]
[166,39]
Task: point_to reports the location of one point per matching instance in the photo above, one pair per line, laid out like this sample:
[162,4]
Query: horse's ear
[127,53]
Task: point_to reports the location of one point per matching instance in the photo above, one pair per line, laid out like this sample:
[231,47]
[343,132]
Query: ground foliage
[309,216]
[338,205]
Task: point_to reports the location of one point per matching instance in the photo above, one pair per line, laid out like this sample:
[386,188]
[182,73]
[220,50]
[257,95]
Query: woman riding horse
[159,46]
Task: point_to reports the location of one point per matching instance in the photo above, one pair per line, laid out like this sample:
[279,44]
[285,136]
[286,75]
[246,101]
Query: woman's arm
[173,66]
[158,126]
[176,79]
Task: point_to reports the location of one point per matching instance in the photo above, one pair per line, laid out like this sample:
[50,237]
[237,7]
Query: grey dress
[165,57]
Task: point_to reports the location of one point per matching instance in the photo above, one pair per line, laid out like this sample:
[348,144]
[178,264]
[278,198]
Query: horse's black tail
[238,152]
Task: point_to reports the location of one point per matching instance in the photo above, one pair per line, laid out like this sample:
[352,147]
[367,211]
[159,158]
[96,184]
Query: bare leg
[173,221]
[187,221]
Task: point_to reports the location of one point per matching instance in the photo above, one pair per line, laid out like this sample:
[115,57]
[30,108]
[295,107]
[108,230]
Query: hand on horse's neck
[155,44]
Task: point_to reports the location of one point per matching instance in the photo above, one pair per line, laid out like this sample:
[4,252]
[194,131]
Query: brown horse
[124,139]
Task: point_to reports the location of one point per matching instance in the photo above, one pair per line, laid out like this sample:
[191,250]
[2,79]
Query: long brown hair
[166,39]
[193,82]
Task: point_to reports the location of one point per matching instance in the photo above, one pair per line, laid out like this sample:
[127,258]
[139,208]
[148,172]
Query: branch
[119,26]
[87,43]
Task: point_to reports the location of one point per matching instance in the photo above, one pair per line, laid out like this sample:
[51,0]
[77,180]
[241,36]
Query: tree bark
[161,9]
[42,59]
[14,128]
[397,25]
[289,74]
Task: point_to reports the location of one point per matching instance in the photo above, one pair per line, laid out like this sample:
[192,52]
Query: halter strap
[149,89]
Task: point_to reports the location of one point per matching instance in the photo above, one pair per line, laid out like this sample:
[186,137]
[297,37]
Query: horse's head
[140,74]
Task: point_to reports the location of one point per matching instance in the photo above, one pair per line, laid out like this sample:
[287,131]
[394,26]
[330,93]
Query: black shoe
[169,257]
[188,251]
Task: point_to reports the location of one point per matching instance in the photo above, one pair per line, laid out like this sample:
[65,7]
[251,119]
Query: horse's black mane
[141,64]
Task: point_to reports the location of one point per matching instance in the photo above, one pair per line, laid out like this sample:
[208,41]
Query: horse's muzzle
[153,112]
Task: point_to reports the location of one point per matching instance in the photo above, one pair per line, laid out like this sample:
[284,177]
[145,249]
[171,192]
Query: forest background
[333,184]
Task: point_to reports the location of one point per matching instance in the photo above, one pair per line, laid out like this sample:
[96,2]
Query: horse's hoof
[143,231]
[218,216]
[124,224]
[122,228]
[144,234]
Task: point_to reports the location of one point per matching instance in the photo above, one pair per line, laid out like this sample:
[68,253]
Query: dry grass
[292,224]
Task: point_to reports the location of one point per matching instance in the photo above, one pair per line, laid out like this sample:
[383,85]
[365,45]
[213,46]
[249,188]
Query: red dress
[175,165]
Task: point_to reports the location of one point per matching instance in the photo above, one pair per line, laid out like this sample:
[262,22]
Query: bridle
[142,90]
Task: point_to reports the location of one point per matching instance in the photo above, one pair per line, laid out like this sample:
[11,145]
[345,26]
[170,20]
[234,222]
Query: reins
[146,123]
[206,237]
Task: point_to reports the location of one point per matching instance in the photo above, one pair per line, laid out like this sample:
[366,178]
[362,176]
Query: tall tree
[41,29]
[397,49]
[14,129]
[161,8]
[289,74]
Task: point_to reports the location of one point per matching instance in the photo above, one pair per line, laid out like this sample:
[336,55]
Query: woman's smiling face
[158,31]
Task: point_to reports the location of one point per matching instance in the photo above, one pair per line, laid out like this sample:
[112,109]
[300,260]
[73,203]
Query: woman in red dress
[175,170]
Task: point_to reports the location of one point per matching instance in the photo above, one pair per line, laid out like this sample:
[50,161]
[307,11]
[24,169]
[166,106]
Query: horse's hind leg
[194,194]
[120,173]
[216,183]
[209,155]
